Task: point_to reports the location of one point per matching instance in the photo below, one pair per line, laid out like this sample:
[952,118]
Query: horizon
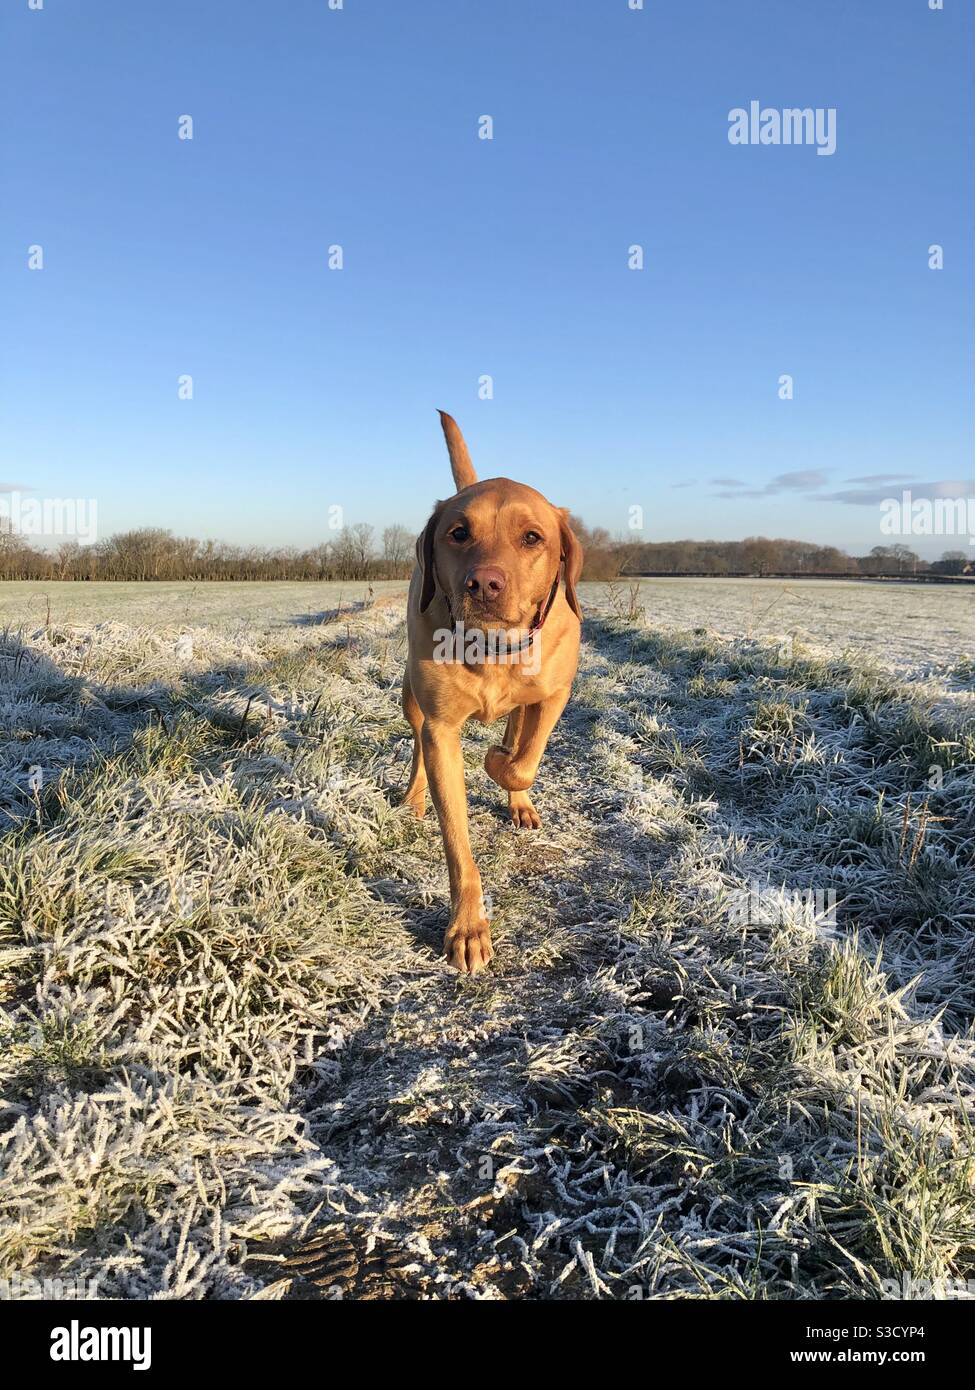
[373,545]
[767,253]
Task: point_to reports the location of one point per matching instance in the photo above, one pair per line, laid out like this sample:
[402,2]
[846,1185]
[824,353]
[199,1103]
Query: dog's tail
[460,459]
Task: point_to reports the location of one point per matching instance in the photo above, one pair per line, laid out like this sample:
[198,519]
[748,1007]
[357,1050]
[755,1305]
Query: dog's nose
[484,582]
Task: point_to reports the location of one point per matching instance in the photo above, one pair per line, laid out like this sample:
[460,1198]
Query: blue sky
[466,257]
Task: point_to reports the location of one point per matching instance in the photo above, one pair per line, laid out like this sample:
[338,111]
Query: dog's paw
[523,813]
[502,768]
[467,945]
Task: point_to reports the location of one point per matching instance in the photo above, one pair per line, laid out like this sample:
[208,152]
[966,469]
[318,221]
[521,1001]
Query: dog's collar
[541,612]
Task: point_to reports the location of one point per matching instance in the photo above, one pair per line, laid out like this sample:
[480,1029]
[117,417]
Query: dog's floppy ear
[572,558]
[460,459]
[424,558]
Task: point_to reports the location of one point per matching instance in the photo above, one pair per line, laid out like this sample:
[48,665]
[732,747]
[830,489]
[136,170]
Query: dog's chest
[490,710]
[498,691]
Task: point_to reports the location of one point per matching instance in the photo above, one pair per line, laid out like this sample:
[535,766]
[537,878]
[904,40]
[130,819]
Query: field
[725,1049]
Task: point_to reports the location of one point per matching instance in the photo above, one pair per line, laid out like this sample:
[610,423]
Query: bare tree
[398,544]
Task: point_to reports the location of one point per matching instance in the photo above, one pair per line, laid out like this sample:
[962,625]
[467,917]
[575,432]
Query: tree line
[357,553]
[757,555]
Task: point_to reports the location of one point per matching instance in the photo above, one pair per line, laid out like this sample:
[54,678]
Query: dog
[500,561]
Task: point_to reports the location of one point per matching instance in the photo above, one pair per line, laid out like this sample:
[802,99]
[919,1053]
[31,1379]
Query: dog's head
[496,549]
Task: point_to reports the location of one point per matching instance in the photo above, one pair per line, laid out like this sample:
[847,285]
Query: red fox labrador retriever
[491,633]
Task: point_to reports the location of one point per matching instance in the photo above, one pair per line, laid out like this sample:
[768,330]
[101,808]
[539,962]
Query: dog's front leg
[467,944]
[516,768]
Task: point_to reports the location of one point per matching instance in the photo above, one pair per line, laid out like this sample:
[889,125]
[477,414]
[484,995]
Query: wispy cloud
[879,478]
[873,496]
[802,480]
[873,488]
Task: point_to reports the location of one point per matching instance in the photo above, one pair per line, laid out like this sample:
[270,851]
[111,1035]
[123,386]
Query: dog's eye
[532,538]
[459,533]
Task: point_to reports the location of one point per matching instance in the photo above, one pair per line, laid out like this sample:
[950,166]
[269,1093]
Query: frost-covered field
[234,1065]
[916,629]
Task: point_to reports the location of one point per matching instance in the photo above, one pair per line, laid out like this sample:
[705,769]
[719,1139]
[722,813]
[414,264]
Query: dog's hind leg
[416,792]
